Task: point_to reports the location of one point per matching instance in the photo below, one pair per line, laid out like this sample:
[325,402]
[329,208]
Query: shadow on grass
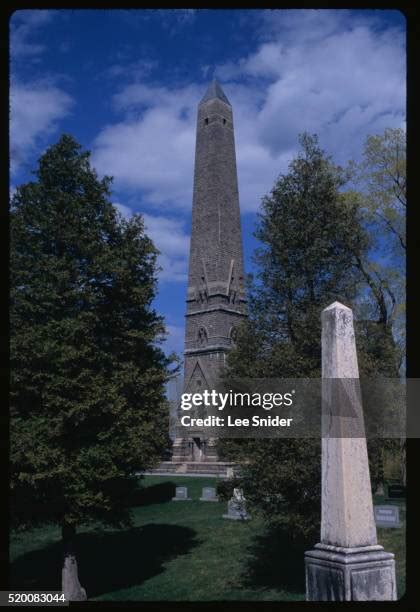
[276,562]
[154,494]
[107,561]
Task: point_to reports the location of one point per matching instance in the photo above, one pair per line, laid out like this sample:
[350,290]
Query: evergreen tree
[309,234]
[87,375]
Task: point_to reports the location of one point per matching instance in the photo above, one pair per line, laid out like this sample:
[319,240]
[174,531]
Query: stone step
[191,468]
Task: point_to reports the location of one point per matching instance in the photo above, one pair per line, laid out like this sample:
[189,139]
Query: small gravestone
[387,516]
[396,491]
[236,507]
[209,494]
[181,494]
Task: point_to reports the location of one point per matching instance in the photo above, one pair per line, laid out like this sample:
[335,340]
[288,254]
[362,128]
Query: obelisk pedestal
[348,564]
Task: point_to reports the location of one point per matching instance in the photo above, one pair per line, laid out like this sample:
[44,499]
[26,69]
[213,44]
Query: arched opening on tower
[202,336]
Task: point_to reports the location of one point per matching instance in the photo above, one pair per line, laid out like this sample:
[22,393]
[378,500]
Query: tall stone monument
[348,564]
[216,300]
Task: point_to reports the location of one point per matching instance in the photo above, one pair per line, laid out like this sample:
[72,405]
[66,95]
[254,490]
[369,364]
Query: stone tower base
[194,449]
[350,574]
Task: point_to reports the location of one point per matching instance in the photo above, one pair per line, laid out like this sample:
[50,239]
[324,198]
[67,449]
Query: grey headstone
[387,516]
[209,494]
[237,507]
[181,494]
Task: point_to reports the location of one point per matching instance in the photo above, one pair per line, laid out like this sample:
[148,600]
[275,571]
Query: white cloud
[175,339]
[125,211]
[12,191]
[173,20]
[153,149]
[342,87]
[35,110]
[309,26]
[36,106]
[169,237]
[23,25]
[334,73]
[135,70]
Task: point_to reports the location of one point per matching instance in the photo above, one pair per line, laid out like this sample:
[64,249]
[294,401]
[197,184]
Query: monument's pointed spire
[215,90]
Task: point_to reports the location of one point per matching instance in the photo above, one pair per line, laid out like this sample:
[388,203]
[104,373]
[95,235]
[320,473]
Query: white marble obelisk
[347,510]
[348,564]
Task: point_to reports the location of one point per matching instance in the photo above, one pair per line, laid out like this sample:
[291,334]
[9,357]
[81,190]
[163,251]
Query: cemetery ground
[180,551]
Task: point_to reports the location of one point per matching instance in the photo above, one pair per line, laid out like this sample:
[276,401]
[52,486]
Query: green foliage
[383,175]
[281,481]
[381,179]
[376,349]
[381,182]
[87,375]
[312,238]
[309,234]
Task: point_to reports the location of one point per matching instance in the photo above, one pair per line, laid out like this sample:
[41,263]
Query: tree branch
[392,228]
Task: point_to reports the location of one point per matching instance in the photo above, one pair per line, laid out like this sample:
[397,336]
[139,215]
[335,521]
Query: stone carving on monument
[202,292]
[216,301]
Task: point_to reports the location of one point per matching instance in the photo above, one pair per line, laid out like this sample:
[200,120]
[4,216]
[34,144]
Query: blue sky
[126,84]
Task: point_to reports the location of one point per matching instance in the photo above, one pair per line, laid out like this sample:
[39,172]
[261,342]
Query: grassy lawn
[178,551]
